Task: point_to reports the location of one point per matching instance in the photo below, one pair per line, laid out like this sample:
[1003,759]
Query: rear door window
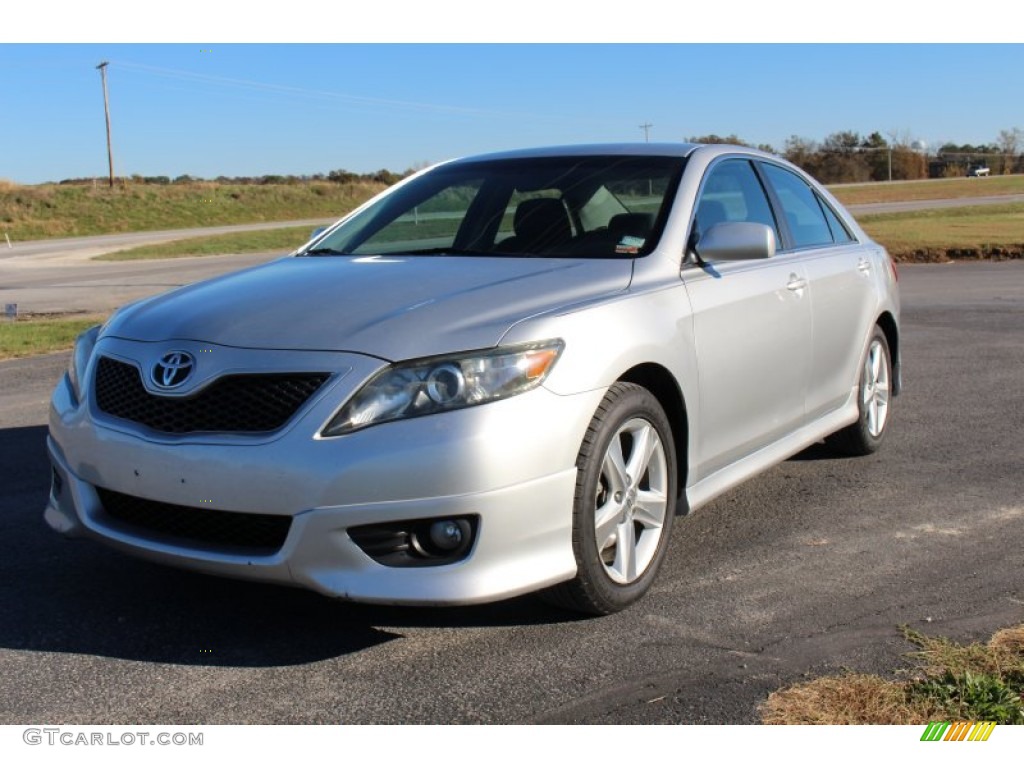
[800,206]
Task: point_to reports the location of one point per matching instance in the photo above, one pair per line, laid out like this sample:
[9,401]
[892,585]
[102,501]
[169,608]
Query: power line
[321,95]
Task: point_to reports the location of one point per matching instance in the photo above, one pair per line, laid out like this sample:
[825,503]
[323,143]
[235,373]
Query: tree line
[340,176]
[846,156]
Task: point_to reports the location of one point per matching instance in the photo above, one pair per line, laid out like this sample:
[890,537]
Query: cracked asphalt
[807,569]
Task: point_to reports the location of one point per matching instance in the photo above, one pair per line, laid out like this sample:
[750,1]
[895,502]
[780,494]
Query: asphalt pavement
[807,569]
[91,245]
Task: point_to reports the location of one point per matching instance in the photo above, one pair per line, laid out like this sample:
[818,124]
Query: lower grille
[241,532]
[239,403]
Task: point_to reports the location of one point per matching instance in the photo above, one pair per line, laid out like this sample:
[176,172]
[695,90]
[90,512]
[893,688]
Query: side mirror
[317,232]
[736,241]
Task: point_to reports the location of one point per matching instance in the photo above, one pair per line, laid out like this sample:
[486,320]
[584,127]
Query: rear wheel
[624,504]
[874,402]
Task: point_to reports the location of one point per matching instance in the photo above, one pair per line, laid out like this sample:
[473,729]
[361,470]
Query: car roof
[580,150]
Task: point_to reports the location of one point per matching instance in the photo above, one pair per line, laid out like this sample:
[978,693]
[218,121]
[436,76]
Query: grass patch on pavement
[933,189]
[941,234]
[37,336]
[263,240]
[951,682]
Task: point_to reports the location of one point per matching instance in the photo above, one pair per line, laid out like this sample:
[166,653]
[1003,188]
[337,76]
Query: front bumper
[510,463]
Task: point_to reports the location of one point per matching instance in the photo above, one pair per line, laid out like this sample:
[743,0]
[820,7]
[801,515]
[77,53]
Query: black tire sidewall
[870,442]
[622,403]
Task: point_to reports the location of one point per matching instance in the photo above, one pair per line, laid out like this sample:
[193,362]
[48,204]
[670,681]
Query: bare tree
[1010,142]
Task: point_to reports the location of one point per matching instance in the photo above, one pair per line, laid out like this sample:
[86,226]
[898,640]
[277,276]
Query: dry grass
[932,189]
[1002,656]
[849,699]
[1011,640]
[944,667]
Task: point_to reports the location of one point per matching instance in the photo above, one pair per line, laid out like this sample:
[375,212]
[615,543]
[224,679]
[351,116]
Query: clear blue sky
[253,109]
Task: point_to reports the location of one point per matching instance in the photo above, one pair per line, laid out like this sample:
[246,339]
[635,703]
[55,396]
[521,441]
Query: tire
[874,402]
[624,504]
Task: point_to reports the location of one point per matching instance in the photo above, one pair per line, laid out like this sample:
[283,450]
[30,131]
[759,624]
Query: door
[841,289]
[752,329]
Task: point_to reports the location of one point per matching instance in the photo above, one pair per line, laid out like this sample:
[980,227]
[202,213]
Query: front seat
[539,224]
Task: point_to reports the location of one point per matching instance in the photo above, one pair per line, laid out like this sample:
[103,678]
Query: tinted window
[572,206]
[433,223]
[800,207]
[732,192]
[840,233]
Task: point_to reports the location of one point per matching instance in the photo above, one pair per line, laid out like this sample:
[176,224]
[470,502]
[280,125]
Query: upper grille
[242,403]
[238,531]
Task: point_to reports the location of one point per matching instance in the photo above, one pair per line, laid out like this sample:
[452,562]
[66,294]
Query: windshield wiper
[323,252]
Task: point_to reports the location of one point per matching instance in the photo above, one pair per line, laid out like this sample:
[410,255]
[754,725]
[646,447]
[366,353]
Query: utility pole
[106,110]
[646,128]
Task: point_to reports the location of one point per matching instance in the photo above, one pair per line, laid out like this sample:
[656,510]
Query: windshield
[586,207]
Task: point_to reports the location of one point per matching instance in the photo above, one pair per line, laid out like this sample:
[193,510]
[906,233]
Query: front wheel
[624,504]
[874,402]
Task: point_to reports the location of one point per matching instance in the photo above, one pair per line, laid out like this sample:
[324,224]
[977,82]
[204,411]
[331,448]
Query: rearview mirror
[736,241]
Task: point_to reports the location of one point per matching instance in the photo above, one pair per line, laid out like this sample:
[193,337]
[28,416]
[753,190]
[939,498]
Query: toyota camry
[508,373]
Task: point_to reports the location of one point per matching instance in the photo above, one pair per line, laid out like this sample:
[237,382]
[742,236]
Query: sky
[208,109]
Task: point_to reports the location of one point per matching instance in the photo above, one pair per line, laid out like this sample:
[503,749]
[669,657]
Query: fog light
[447,535]
[417,543]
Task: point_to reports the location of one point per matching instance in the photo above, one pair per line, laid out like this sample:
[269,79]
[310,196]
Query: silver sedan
[507,373]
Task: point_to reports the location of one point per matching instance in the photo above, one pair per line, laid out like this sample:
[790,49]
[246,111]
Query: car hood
[390,307]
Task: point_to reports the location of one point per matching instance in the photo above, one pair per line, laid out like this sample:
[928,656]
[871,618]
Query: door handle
[864,267]
[796,283]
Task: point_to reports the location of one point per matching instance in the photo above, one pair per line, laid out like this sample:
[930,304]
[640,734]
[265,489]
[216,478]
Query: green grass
[259,241]
[52,210]
[34,336]
[937,189]
[952,682]
[944,233]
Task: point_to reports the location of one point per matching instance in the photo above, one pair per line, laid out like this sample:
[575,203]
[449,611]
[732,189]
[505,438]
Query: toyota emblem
[173,369]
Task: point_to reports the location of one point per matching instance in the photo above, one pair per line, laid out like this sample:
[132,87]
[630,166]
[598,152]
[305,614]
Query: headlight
[422,387]
[80,359]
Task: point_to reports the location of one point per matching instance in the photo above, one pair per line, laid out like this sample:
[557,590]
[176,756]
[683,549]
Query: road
[94,245]
[80,285]
[808,569]
[922,205]
[54,276]
[59,276]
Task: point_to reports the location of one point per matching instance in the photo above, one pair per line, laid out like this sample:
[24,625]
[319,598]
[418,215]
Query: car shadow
[816,452]
[77,596]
